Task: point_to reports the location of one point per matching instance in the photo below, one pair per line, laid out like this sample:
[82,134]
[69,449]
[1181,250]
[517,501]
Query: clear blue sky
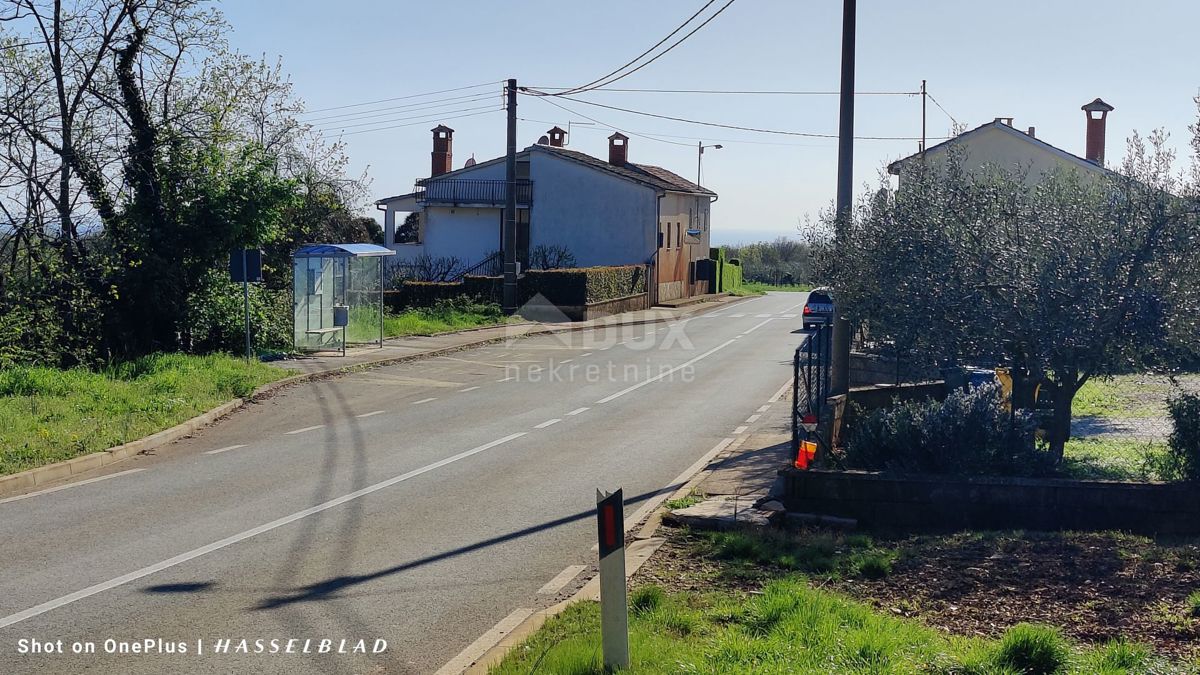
[1033,60]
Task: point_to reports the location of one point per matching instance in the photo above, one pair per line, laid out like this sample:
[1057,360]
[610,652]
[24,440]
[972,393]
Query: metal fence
[810,386]
[1120,426]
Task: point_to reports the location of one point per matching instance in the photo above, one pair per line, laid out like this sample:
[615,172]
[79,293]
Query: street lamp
[700,153]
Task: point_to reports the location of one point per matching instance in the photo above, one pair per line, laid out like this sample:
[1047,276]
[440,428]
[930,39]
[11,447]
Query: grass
[750,554]
[1109,458]
[1124,396]
[1193,604]
[761,287]
[48,415]
[441,318]
[692,498]
[790,627]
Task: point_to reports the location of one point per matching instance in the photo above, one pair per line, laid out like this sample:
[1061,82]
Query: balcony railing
[465,191]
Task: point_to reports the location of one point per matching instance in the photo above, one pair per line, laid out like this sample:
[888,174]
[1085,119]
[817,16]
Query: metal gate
[810,386]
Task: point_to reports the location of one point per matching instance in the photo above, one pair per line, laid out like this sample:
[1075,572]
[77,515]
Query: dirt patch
[1094,587]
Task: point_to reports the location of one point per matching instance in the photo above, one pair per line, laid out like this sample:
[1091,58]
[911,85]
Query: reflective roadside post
[614,608]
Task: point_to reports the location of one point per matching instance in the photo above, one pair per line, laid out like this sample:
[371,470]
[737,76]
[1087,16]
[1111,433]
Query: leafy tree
[1063,277]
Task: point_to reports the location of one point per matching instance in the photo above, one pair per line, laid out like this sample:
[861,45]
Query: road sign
[614,607]
[809,422]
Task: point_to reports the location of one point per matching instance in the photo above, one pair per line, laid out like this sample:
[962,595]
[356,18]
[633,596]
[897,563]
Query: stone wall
[922,502]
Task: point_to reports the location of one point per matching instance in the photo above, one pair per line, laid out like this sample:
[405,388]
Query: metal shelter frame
[322,272]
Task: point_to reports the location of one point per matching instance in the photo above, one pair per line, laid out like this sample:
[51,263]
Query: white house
[998,144]
[611,212]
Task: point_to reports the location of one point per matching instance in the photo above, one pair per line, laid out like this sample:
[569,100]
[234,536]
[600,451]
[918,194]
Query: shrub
[1193,604]
[970,432]
[872,564]
[216,316]
[645,599]
[1182,458]
[1033,650]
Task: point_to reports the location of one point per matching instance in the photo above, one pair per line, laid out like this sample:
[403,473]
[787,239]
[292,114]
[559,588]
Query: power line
[384,112]
[655,136]
[939,105]
[410,124]
[752,92]
[605,124]
[401,119]
[738,127]
[607,79]
[401,98]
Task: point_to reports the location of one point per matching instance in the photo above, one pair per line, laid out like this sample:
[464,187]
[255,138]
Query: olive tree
[1064,276]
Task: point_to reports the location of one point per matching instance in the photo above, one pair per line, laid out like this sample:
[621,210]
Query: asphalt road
[417,504]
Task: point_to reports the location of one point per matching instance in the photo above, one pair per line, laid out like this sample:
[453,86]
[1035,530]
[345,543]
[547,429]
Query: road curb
[640,549]
[61,470]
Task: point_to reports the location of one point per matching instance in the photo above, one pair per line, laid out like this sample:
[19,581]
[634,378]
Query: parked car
[818,309]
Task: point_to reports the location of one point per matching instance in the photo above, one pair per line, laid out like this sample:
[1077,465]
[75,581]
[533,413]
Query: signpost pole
[246,300]
[614,607]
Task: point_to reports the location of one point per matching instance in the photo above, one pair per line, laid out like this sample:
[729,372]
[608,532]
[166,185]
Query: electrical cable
[410,124]
[738,127]
[401,98]
[748,92]
[401,119]
[377,112]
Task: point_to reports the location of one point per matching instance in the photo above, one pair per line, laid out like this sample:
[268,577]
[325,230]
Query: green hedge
[565,287]
[729,272]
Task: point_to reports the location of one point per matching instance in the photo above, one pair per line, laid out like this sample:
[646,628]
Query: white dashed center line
[424,400]
[577,411]
[463,391]
[547,423]
[225,449]
[300,431]
[739,430]
[370,414]
[587,354]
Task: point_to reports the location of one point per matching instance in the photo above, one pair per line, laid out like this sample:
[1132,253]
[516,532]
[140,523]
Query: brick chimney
[1097,115]
[618,149]
[557,136]
[443,145]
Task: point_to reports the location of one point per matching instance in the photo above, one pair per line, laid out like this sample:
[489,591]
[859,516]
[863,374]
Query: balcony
[465,192]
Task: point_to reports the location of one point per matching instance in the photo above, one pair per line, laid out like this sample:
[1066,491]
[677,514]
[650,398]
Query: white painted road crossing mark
[82,482]
[739,430]
[752,419]
[564,577]
[424,400]
[547,423]
[660,376]
[300,431]
[463,391]
[242,536]
[370,414]
[225,449]
[577,411]
[736,316]
[788,316]
[763,316]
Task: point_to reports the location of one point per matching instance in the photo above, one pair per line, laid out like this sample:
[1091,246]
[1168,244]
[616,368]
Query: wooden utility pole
[509,238]
[840,365]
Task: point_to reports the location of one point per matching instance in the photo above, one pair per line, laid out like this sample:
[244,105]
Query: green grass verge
[49,415]
[1125,396]
[441,318]
[787,288]
[792,628]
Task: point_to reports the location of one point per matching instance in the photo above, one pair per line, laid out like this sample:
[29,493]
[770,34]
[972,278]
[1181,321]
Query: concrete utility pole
[845,195]
[509,240]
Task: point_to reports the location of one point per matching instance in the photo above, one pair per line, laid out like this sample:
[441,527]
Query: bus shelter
[337,296]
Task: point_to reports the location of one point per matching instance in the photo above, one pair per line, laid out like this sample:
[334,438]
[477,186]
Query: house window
[409,232]
[678,238]
[668,229]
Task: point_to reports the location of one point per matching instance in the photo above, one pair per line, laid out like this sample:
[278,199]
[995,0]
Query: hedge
[565,287]
[728,272]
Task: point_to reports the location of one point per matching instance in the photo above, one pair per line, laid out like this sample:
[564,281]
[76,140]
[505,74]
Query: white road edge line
[782,390]
[425,400]
[225,449]
[547,423]
[739,431]
[478,648]
[371,414]
[564,577]
[577,411]
[300,431]
[752,419]
[660,376]
[463,391]
[69,485]
[763,408]
[242,536]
